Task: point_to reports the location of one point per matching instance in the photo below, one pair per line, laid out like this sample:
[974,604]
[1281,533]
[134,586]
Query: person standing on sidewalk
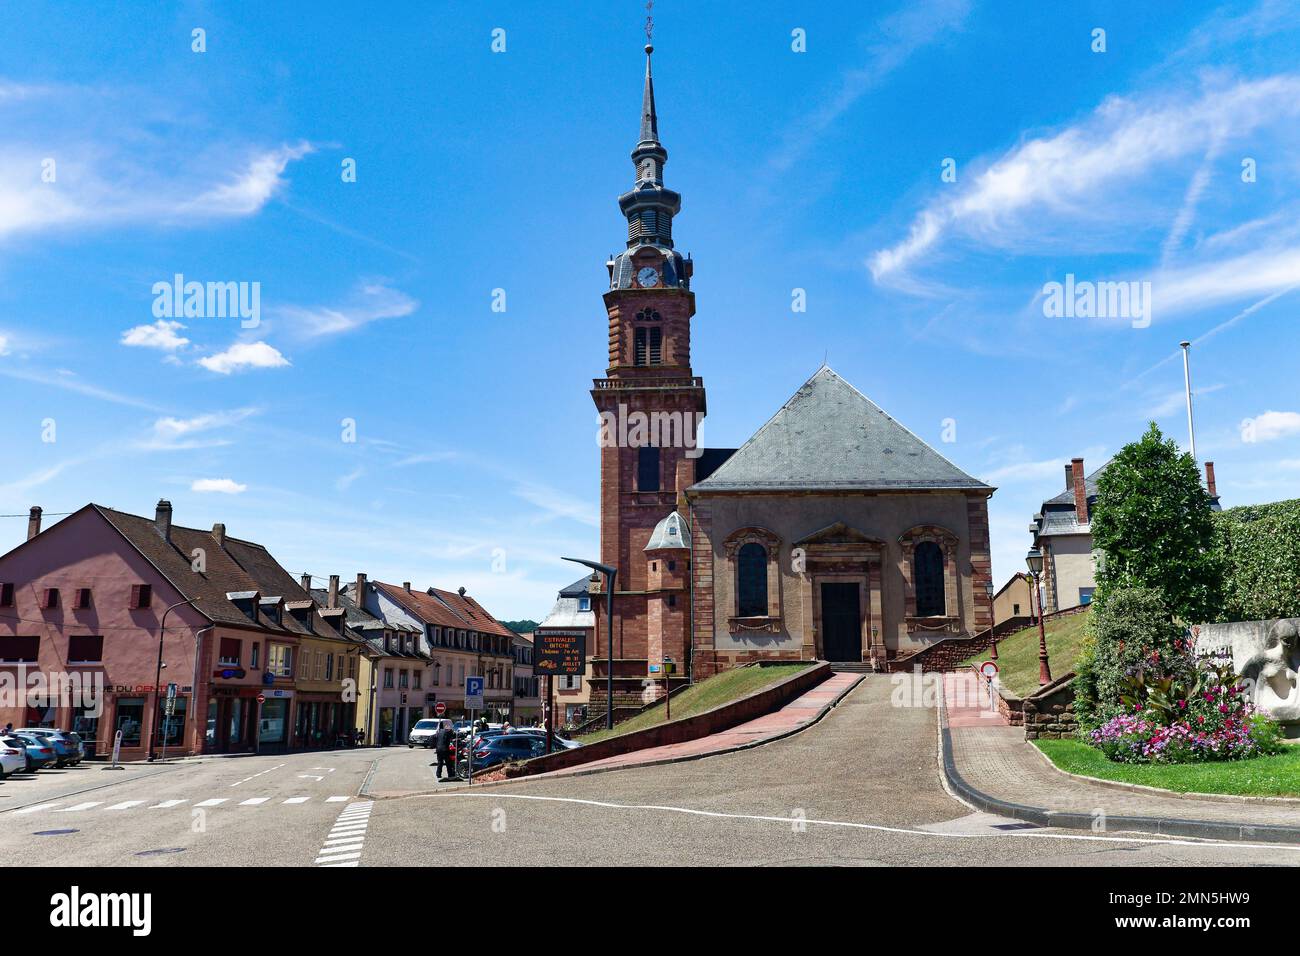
[442,740]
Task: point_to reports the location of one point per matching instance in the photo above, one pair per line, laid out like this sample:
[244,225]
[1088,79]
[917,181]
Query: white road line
[39,806]
[497,795]
[336,799]
[125,805]
[256,775]
[347,838]
[297,800]
[253,801]
[80,806]
[212,803]
[166,803]
[335,859]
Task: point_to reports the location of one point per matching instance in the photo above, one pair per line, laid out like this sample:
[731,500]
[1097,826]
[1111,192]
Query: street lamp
[157,674]
[610,575]
[1035,561]
[993,647]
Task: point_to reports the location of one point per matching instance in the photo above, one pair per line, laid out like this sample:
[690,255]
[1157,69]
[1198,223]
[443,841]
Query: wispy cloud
[171,434]
[244,355]
[1090,174]
[371,301]
[558,504]
[69,381]
[223,486]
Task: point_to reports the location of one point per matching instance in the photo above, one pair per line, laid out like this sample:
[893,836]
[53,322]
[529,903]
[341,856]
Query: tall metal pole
[157,674]
[1044,671]
[609,629]
[1187,385]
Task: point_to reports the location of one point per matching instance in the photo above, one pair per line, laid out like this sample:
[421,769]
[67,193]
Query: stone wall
[1049,711]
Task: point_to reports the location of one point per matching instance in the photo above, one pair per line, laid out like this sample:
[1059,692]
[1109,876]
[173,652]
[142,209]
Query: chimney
[33,522]
[1209,484]
[163,518]
[1069,476]
[1080,492]
[219,534]
[460,591]
[333,599]
[305,581]
[360,596]
[406,586]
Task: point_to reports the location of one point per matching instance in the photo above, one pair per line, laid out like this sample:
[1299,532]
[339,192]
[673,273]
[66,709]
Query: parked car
[67,747]
[422,733]
[561,743]
[40,752]
[500,749]
[13,757]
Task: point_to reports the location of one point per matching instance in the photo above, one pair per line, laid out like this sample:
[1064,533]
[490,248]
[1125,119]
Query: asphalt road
[859,788]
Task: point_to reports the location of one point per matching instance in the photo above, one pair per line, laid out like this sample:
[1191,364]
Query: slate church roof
[831,437]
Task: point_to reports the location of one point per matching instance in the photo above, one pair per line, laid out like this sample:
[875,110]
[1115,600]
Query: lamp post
[993,647]
[157,674]
[1035,561]
[610,575]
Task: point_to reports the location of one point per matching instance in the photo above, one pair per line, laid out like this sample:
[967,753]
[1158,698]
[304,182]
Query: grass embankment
[707,694]
[1018,652]
[1276,776]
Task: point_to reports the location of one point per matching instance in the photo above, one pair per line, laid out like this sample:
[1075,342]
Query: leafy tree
[521,627]
[1132,631]
[1153,522]
[1261,554]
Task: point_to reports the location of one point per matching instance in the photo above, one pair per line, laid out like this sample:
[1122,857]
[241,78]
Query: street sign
[474,693]
[171,691]
[439,709]
[559,651]
[261,698]
[989,669]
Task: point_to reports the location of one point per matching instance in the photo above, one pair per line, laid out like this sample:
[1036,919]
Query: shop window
[128,718]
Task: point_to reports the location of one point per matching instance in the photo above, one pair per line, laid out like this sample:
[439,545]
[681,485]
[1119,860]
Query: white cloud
[160,335]
[243,355]
[558,504]
[371,301]
[261,179]
[344,482]
[1271,425]
[1095,174]
[223,486]
[179,433]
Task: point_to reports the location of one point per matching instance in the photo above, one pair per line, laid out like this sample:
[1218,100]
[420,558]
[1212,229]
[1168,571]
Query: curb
[564,774]
[1073,820]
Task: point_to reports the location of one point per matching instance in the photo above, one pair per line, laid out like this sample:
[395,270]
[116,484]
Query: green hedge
[1261,550]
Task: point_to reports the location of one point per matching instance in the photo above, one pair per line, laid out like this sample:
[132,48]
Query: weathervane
[649,21]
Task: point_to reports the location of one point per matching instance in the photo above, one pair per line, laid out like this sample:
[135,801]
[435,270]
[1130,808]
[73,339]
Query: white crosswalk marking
[297,800]
[336,799]
[346,840]
[166,803]
[253,801]
[80,806]
[125,805]
[211,803]
[39,806]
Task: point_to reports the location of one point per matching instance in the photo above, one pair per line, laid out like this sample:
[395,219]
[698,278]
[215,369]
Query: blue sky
[475,455]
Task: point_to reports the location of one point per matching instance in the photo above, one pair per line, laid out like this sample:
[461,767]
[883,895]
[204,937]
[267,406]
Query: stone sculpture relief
[1267,654]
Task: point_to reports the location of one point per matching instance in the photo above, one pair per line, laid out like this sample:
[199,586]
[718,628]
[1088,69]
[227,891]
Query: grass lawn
[707,694]
[1018,652]
[1277,776]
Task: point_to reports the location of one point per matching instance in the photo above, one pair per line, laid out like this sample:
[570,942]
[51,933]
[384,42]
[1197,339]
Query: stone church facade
[834,533]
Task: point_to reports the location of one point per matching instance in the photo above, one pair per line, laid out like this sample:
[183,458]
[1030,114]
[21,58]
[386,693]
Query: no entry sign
[439,708]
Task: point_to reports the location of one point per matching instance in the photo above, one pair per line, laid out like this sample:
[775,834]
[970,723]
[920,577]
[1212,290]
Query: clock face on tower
[648,277]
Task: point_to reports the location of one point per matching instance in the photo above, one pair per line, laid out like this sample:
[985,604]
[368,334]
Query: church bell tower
[651,407]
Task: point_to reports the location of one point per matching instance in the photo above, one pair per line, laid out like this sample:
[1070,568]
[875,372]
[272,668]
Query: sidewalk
[990,765]
[406,773]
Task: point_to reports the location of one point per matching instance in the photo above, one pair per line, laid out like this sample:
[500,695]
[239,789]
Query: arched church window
[751,581]
[639,347]
[928,560]
[656,346]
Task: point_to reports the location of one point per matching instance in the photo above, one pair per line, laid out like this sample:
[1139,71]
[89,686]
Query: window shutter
[51,598]
[83,598]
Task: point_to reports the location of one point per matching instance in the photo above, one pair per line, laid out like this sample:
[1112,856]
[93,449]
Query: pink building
[81,605]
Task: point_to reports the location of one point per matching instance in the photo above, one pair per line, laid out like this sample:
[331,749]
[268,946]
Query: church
[834,533]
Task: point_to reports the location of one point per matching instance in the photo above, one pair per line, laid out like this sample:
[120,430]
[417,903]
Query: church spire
[649,121]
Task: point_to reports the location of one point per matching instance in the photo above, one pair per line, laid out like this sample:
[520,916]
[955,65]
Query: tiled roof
[473,613]
[578,587]
[831,437]
[421,605]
